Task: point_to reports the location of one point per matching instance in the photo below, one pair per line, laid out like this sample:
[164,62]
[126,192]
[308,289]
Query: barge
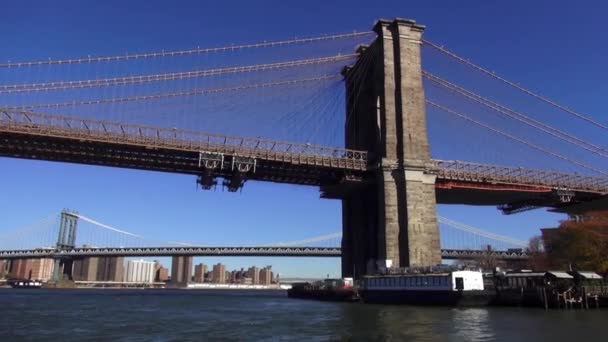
[457,288]
[340,290]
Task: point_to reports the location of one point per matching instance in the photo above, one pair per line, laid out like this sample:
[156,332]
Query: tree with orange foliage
[581,244]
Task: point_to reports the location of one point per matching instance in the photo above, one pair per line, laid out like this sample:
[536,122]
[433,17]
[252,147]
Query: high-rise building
[181,269]
[3,268]
[199,273]
[111,269]
[140,271]
[162,274]
[265,276]
[42,269]
[21,269]
[219,273]
[254,273]
[85,269]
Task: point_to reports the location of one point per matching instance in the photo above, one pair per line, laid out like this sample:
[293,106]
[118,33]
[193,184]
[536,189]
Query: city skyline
[138,271]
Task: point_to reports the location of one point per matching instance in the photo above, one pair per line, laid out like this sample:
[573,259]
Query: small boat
[25,284]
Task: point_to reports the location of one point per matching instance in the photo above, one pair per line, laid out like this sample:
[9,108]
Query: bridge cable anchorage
[557,133]
[186,52]
[512,137]
[114,81]
[174,94]
[467,228]
[514,85]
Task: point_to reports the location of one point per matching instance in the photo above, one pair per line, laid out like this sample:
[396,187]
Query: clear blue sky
[558,47]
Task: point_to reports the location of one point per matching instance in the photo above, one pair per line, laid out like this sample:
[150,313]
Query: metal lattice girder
[177,139]
[109,143]
[233,251]
[484,173]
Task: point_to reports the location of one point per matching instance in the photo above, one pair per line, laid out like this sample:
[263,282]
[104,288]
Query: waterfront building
[162,274]
[254,273]
[266,276]
[140,271]
[246,281]
[3,268]
[199,273]
[21,269]
[111,269]
[42,269]
[181,269]
[85,269]
[219,273]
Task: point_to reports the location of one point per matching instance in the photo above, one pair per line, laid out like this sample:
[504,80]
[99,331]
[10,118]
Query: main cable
[63,85]
[557,133]
[174,94]
[184,52]
[512,137]
[514,85]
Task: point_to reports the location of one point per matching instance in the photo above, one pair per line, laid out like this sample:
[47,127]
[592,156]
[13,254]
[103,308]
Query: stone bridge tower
[392,220]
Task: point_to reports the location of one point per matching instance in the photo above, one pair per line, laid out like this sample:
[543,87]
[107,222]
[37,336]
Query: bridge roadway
[85,141]
[229,251]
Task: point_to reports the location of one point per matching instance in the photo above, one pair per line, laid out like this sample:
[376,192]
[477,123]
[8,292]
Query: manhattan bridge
[386,121]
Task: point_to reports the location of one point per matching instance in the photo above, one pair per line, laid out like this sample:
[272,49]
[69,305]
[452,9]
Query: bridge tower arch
[392,220]
[66,239]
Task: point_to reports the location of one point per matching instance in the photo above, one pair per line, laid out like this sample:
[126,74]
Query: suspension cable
[185,52]
[557,133]
[514,85]
[314,239]
[174,94]
[467,228]
[512,137]
[20,88]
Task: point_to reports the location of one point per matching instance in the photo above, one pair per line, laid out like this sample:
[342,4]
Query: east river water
[202,315]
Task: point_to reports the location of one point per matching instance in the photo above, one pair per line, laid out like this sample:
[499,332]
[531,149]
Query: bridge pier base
[393,221]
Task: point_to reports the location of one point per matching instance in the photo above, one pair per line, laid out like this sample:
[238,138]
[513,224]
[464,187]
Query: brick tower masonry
[392,220]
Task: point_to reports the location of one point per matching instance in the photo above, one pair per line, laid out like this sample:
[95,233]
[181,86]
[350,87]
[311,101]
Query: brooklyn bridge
[385,121]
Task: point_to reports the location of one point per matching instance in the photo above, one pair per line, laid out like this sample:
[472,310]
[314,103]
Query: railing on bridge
[65,127]
[484,173]
[458,254]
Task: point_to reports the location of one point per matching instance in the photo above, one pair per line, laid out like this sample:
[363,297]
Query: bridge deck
[229,251]
[86,141]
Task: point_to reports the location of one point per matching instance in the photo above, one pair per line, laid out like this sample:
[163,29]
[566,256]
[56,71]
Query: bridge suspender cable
[512,137]
[22,88]
[513,84]
[186,52]
[559,134]
[175,94]
[467,228]
[314,239]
